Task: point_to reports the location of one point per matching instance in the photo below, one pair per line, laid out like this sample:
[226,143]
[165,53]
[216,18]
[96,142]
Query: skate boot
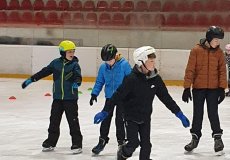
[193,144]
[227,94]
[100,146]
[76,149]
[47,147]
[120,155]
[218,145]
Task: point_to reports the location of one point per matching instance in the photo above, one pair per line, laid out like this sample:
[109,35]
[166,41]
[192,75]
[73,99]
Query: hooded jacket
[65,73]
[137,93]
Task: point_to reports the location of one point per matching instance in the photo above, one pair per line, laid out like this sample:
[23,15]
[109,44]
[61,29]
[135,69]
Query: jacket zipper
[62,81]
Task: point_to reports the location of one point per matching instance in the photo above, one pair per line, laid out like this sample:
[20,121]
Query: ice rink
[24,122]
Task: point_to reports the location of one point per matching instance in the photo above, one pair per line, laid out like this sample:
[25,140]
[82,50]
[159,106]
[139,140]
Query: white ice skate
[77,150]
[220,153]
[47,149]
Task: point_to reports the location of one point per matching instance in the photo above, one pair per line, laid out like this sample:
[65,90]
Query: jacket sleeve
[119,95]
[77,74]
[164,96]
[127,68]
[190,69]
[222,72]
[46,71]
[100,81]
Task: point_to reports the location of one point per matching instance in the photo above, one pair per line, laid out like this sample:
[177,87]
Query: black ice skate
[100,146]
[218,145]
[76,149]
[47,147]
[227,94]
[120,154]
[193,144]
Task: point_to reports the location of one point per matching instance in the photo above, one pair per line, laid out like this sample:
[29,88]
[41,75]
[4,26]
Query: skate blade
[188,152]
[220,153]
[48,149]
[76,151]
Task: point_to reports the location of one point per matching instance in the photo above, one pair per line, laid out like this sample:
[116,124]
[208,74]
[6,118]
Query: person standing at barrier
[137,92]
[111,74]
[227,57]
[206,74]
[67,78]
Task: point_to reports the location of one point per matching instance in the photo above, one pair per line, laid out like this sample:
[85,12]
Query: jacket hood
[137,70]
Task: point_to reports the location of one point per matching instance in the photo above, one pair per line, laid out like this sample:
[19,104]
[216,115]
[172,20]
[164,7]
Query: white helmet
[141,54]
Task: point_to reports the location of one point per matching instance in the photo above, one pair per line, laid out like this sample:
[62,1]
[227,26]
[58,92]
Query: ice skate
[227,94]
[120,155]
[218,145]
[193,144]
[99,147]
[47,147]
[76,149]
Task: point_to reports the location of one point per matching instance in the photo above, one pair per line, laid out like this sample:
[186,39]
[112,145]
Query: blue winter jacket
[111,77]
[65,73]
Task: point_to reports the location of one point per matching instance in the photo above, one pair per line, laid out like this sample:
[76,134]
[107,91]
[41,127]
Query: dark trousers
[134,131]
[71,111]
[119,122]
[211,98]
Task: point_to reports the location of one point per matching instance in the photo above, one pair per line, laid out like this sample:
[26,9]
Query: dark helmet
[108,52]
[214,32]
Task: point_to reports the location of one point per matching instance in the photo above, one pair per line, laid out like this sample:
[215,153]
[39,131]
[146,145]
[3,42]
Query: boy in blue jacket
[67,78]
[110,74]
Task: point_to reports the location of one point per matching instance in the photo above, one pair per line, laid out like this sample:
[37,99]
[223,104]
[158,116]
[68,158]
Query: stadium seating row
[118,5]
[114,18]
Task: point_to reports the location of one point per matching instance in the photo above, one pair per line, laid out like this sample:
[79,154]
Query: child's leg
[55,119]
[71,111]
[120,126]
[145,143]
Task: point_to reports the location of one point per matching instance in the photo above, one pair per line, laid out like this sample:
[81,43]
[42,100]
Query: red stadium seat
[3,4]
[155,6]
[128,6]
[224,5]
[159,20]
[118,19]
[65,17]
[39,17]
[227,21]
[169,6]
[91,19]
[52,18]
[145,20]
[27,17]
[14,5]
[89,5]
[216,20]
[197,6]
[38,5]
[26,5]
[141,6]
[172,20]
[131,19]
[102,5]
[63,5]
[104,19]
[14,17]
[202,20]
[183,6]
[51,5]
[3,17]
[210,6]
[76,5]
[78,18]
[187,20]
[115,6]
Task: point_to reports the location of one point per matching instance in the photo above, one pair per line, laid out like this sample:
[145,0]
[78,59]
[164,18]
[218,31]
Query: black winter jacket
[137,92]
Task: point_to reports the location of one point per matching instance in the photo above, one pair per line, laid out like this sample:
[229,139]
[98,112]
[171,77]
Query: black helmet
[214,32]
[108,52]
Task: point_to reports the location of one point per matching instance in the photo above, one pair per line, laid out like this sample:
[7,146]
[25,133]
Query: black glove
[186,95]
[221,95]
[93,98]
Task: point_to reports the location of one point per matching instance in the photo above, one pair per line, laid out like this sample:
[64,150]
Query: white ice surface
[24,123]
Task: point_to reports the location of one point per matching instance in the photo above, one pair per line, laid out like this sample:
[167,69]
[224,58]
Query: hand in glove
[99,117]
[186,95]
[26,83]
[221,95]
[93,98]
[183,119]
[75,85]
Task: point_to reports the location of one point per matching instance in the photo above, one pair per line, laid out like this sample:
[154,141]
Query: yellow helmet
[66,45]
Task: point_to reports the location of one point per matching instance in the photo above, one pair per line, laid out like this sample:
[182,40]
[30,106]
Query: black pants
[71,110]
[134,131]
[119,122]
[211,97]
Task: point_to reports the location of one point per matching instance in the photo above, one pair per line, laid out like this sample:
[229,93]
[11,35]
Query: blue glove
[99,117]
[26,83]
[183,119]
[75,85]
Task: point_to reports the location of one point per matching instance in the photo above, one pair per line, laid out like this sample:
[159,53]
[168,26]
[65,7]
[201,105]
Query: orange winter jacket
[206,68]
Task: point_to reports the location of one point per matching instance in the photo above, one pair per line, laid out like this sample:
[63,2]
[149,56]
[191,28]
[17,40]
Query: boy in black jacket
[67,77]
[137,93]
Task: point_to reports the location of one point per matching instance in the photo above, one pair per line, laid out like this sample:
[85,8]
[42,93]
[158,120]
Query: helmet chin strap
[149,72]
